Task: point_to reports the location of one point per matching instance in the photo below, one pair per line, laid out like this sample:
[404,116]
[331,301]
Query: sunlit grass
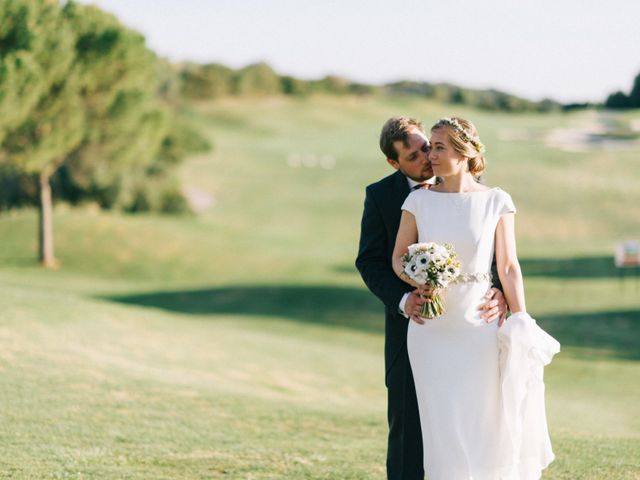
[240,343]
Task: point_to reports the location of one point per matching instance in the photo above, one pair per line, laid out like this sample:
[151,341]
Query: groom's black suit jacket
[380,223]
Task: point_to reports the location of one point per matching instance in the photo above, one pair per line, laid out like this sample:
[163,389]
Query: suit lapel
[401,189]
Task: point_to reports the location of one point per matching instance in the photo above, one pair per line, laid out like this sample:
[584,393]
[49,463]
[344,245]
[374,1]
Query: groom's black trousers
[404,454]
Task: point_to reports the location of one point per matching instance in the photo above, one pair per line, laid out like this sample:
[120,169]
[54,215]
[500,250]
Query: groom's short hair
[396,129]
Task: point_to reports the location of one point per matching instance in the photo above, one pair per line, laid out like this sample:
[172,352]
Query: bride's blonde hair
[465,140]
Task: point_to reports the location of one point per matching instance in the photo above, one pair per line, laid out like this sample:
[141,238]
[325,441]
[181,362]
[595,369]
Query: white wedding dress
[454,357]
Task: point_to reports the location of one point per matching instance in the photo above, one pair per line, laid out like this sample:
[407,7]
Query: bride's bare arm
[508,265]
[407,234]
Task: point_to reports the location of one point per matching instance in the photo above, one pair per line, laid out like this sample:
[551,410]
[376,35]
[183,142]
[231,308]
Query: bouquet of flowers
[435,265]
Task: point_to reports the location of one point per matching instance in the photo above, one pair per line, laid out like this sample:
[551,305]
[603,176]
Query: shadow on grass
[615,333]
[579,267]
[341,306]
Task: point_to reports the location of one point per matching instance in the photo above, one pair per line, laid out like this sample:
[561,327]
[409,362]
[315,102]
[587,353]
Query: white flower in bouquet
[421,278]
[440,254]
[410,269]
[422,260]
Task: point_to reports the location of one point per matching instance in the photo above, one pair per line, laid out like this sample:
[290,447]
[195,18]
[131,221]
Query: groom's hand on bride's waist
[494,306]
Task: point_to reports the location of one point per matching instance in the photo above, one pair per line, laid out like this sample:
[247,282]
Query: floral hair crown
[464,135]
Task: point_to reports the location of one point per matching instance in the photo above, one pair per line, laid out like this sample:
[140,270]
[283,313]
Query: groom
[406,148]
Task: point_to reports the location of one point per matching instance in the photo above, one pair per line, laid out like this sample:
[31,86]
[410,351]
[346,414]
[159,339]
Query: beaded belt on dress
[473,278]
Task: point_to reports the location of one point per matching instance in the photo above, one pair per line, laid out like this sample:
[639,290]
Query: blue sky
[570,50]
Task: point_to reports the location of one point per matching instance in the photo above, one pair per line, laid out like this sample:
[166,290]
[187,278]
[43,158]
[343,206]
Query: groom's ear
[394,163]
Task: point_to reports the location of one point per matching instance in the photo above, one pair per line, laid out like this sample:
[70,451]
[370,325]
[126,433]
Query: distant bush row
[212,81]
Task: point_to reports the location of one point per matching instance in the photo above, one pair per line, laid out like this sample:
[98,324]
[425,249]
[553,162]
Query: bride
[455,357]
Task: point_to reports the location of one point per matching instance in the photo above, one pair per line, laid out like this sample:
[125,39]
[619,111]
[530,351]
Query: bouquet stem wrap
[434,307]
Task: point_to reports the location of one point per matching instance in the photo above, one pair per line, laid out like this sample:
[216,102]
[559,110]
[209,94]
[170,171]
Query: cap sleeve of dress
[506,203]
[411,203]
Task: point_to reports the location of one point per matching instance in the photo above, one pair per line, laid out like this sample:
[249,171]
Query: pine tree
[76,89]
[41,131]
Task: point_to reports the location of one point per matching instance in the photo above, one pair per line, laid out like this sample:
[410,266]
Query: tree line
[214,80]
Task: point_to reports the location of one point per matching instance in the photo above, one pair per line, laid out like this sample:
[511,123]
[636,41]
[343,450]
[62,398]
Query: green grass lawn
[240,343]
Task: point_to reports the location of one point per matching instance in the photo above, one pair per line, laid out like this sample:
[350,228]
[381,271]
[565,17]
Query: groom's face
[413,158]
